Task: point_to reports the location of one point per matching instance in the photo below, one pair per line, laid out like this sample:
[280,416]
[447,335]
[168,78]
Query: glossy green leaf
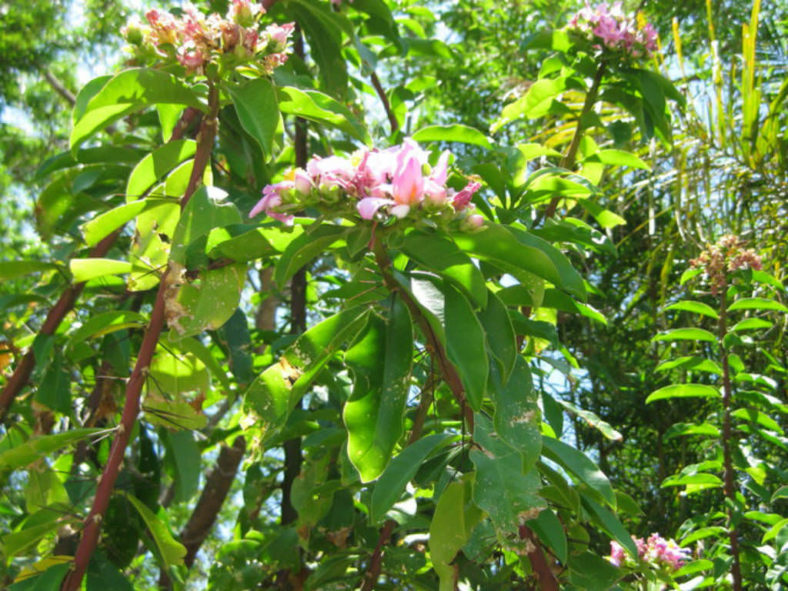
[25,453]
[591,572]
[305,248]
[87,269]
[184,454]
[505,491]
[756,416]
[684,429]
[578,464]
[381,364]
[127,92]
[155,166]
[706,480]
[104,224]
[452,523]
[271,397]
[465,345]
[174,371]
[517,418]
[321,108]
[175,415]
[438,254]
[255,103]
[694,307]
[751,324]
[207,209]
[452,133]
[551,531]
[105,323]
[611,524]
[54,391]
[172,552]
[533,104]
[618,158]
[592,420]
[48,580]
[686,334]
[756,304]
[400,471]
[691,363]
[498,245]
[683,391]
[501,340]
[14,269]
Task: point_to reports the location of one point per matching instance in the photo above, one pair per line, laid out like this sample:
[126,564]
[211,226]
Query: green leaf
[50,579]
[611,524]
[185,457]
[578,464]
[689,274]
[551,531]
[271,397]
[207,209]
[104,224]
[590,572]
[305,248]
[127,92]
[506,492]
[501,339]
[452,523]
[706,480]
[14,269]
[438,254]
[533,104]
[568,277]
[174,371]
[517,418]
[465,348]
[618,158]
[751,324]
[756,304]
[381,363]
[87,269]
[34,448]
[105,323]
[691,363]
[683,391]
[177,415]
[54,391]
[463,134]
[255,103]
[774,530]
[694,307]
[321,108]
[686,334]
[400,471]
[704,532]
[498,245]
[157,165]
[684,429]
[592,420]
[172,552]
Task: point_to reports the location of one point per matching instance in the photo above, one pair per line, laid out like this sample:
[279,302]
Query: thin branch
[131,409]
[729,473]
[547,580]
[385,100]
[58,87]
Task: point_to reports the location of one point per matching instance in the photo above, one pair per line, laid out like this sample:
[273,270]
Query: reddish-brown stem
[385,101]
[729,475]
[547,580]
[433,344]
[68,298]
[568,161]
[373,572]
[63,306]
[131,408]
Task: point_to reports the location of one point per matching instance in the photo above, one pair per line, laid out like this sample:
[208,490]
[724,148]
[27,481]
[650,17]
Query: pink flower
[369,206]
[191,57]
[616,553]
[408,183]
[463,198]
[272,198]
[279,34]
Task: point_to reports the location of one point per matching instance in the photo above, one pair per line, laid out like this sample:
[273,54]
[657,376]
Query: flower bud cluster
[381,185]
[194,40]
[656,551]
[724,257]
[609,28]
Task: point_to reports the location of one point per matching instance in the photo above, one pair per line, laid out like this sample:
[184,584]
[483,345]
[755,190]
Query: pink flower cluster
[726,256]
[382,185]
[656,551]
[194,40]
[609,28]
